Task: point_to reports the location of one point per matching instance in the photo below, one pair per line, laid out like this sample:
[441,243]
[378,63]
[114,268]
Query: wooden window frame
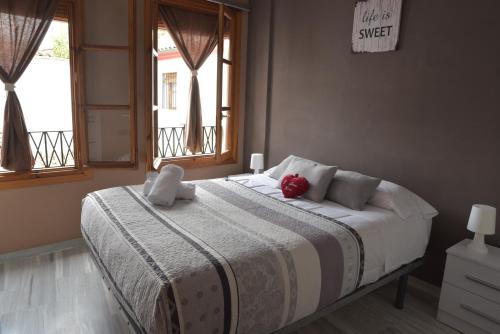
[79,172]
[151,109]
[80,48]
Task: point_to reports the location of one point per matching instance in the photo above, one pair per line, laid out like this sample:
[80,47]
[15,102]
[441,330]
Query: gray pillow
[278,171]
[352,189]
[319,176]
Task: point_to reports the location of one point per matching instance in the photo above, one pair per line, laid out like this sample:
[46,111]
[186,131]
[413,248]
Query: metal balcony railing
[51,149]
[171,142]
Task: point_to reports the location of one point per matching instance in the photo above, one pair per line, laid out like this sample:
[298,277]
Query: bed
[241,258]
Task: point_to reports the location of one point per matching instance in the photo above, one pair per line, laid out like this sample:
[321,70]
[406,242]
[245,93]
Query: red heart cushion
[294,185]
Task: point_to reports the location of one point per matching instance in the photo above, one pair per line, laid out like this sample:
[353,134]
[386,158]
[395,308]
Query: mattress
[240,258]
[389,240]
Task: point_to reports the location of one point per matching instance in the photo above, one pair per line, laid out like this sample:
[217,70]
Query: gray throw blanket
[231,261]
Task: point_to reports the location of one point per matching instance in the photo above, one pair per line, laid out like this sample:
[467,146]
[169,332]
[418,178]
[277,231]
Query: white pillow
[277,171]
[150,181]
[270,171]
[403,202]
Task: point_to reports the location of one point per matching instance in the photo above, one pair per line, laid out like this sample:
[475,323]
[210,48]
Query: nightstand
[470,295]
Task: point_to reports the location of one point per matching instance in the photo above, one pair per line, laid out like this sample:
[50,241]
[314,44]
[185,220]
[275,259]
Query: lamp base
[256,171]
[477,245]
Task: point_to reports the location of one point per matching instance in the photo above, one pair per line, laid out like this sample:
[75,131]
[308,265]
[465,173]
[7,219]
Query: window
[169,87]
[107,83]
[45,91]
[218,79]
[79,93]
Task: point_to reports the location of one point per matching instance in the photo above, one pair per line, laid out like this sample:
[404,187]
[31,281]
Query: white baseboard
[41,250]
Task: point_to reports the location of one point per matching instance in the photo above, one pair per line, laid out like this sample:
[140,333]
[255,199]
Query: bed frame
[401,274]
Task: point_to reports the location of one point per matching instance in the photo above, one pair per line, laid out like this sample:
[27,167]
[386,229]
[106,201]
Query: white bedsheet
[389,241]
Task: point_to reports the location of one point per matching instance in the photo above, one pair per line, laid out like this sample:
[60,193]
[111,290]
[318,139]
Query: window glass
[109,88]
[3,96]
[106,81]
[227,39]
[108,135]
[44,91]
[102,28]
[170,123]
[225,130]
[226,85]
[174,79]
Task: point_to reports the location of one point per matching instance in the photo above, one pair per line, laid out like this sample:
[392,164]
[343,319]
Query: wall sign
[376,25]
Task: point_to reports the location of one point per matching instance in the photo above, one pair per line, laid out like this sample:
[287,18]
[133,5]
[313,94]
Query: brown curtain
[23,24]
[195,35]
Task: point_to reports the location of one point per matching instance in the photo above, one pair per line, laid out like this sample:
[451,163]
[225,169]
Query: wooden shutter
[107,82]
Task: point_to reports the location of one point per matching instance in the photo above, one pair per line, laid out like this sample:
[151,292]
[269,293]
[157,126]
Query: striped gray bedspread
[231,261]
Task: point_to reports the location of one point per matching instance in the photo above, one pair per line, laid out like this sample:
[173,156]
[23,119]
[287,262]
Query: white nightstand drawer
[473,277]
[470,308]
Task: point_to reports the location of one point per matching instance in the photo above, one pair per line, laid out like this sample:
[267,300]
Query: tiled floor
[63,292]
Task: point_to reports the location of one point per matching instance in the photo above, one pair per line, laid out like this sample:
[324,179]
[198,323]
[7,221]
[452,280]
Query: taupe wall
[426,116]
[258,68]
[36,216]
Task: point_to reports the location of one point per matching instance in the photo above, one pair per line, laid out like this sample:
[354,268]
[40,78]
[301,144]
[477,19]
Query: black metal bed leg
[400,297]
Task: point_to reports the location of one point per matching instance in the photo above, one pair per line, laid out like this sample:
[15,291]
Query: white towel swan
[185,190]
[165,186]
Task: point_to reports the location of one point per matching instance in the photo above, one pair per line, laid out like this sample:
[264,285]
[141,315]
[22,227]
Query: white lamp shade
[482,219]
[257,161]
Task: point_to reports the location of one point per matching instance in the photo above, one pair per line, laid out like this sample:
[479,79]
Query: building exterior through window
[169,91]
[173,91]
[44,91]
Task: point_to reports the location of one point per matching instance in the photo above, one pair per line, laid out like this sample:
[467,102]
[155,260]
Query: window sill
[199,161]
[11,180]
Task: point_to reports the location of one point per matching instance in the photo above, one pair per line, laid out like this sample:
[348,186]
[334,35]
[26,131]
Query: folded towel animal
[165,187]
[150,180]
[186,191]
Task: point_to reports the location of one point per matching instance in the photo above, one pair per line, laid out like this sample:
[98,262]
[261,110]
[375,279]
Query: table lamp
[257,162]
[482,222]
